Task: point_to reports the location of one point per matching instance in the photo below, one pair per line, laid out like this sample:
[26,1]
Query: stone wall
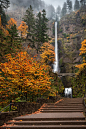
[5,116]
[24,108]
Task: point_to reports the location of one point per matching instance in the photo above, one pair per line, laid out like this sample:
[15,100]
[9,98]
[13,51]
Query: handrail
[6,107]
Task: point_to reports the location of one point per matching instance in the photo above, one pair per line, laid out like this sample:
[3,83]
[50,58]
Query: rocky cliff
[71,32]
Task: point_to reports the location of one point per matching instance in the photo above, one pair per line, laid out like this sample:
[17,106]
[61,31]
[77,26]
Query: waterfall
[56,63]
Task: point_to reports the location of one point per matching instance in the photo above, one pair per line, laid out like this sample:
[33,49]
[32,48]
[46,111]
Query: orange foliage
[22,73]
[83,53]
[48,54]
[11,23]
[83,48]
[23,29]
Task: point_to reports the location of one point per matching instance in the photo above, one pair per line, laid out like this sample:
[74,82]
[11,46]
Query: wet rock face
[69,42]
[71,33]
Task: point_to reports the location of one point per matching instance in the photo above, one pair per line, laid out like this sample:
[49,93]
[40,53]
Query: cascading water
[56,63]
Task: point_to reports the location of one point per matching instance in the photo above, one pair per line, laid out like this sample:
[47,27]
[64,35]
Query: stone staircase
[67,114]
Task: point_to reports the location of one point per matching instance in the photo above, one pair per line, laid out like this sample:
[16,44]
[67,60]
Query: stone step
[72,122]
[81,110]
[52,116]
[69,104]
[64,103]
[61,108]
[46,127]
[51,119]
[49,111]
[63,115]
[66,107]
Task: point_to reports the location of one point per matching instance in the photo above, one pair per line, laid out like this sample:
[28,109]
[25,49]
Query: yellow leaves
[83,52]
[11,23]
[47,52]
[23,29]
[2,78]
[24,72]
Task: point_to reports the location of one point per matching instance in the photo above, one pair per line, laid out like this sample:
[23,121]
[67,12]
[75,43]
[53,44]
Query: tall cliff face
[71,32]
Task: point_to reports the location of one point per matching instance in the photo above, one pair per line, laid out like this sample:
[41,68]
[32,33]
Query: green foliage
[44,27]
[78,84]
[69,4]
[56,83]
[9,44]
[21,99]
[64,9]
[76,5]
[61,31]
[4,4]
[13,108]
[30,21]
[60,62]
[65,35]
[37,28]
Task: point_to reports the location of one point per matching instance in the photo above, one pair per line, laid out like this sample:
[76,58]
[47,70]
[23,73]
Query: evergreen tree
[69,5]
[40,30]
[9,40]
[58,11]
[50,12]
[4,4]
[76,5]
[13,34]
[83,2]
[64,9]
[30,21]
[44,27]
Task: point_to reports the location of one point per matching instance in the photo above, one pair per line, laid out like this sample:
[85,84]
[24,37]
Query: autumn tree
[23,75]
[23,29]
[13,32]
[48,55]
[7,44]
[79,83]
[83,54]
